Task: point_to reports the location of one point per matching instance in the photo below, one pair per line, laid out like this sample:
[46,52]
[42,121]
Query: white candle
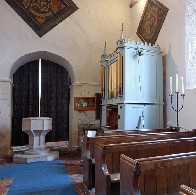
[182,85]
[170,85]
[176,82]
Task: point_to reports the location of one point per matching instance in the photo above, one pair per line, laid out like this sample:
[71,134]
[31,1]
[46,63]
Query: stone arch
[46,56]
[43,55]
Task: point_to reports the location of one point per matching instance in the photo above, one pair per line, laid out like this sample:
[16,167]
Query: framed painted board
[151,21]
[43,15]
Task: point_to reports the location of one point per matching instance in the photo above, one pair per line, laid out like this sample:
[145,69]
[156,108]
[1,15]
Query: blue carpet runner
[39,178]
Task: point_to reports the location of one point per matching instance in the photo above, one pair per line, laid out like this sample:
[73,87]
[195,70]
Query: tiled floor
[75,170]
[4,185]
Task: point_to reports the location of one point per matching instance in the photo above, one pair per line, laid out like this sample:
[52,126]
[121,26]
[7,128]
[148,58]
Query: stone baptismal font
[36,128]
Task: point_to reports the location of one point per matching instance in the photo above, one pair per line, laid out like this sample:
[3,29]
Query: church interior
[97,97]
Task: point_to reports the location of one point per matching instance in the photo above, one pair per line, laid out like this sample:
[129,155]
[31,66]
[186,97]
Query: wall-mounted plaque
[152,20]
[42,15]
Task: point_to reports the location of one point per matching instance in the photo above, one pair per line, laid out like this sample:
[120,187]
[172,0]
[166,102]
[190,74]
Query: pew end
[127,187]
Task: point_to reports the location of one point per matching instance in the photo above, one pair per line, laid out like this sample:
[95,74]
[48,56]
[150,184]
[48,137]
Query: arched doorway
[54,101]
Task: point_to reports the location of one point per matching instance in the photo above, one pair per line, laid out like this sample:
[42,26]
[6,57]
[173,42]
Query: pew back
[138,131]
[159,175]
[107,157]
[89,144]
[89,147]
[120,136]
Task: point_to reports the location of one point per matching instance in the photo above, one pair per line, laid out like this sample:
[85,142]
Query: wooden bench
[145,134]
[89,145]
[186,190]
[138,131]
[157,175]
[89,142]
[170,133]
[107,158]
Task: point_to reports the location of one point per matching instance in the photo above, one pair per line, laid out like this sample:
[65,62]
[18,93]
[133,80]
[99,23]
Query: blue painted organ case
[132,87]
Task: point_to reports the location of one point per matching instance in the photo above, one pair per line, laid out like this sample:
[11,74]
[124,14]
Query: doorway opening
[54,102]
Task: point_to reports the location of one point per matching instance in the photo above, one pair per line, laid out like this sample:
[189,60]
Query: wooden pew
[157,175]
[89,144]
[186,190]
[171,133]
[145,134]
[138,131]
[107,158]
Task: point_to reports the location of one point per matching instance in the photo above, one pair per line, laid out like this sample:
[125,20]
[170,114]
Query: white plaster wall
[82,117]
[5,117]
[79,40]
[171,39]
